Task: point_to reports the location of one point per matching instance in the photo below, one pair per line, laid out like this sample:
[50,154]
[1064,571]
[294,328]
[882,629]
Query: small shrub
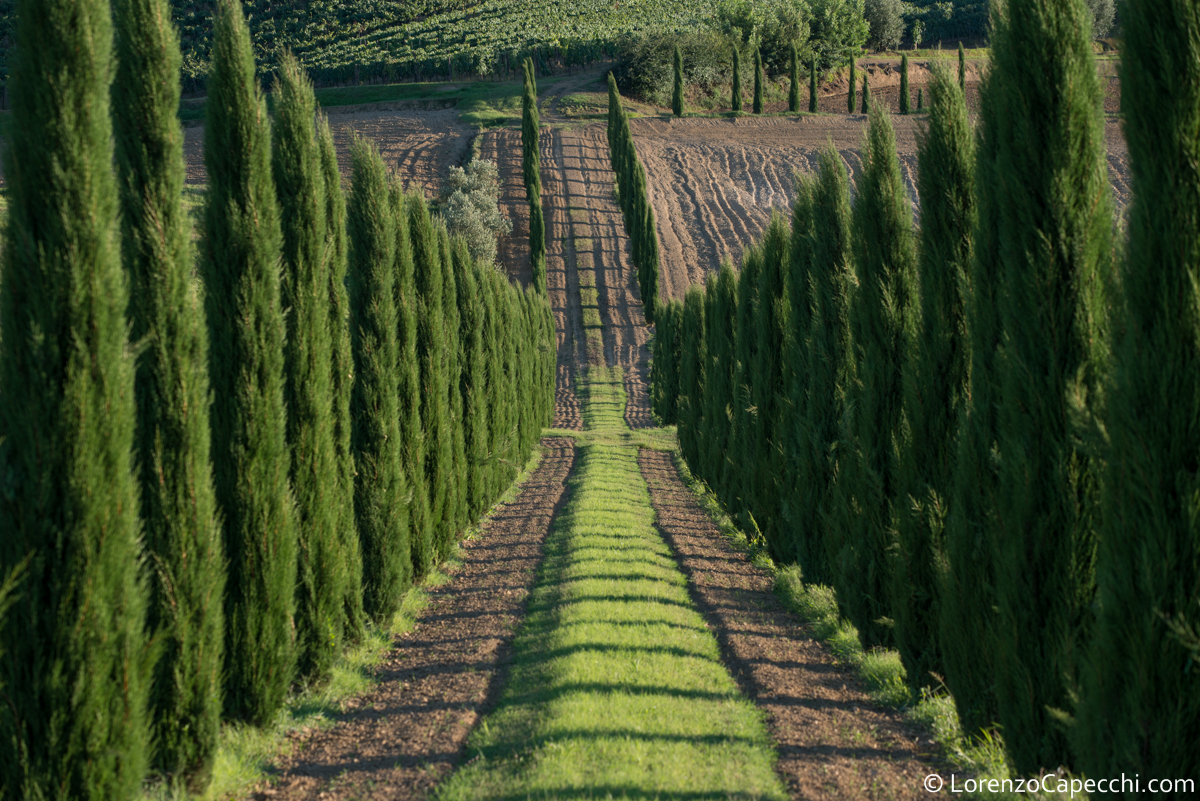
[470,206]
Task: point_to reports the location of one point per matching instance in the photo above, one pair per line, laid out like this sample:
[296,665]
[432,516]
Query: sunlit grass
[617,688]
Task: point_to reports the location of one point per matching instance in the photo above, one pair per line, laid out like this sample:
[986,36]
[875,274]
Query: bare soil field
[714,182]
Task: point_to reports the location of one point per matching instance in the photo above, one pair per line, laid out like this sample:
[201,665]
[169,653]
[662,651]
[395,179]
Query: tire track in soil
[834,742]
[400,739]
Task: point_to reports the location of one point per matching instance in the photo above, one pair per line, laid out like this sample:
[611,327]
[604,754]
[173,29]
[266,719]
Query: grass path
[616,688]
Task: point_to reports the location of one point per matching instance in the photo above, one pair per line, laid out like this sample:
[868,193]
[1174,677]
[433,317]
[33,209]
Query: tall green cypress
[920,100]
[737,80]
[179,512]
[720,312]
[882,319]
[853,80]
[691,374]
[827,369]
[1139,706]
[1056,223]
[677,91]
[472,380]
[531,166]
[962,69]
[812,85]
[453,377]
[342,380]
[768,394]
[649,257]
[743,442]
[866,95]
[904,95]
[664,368]
[408,381]
[308,366]
[794,83]
[935,378]
[76,670]
[380,490]
[758,81]
[241,253]
[431,357]
[968,586]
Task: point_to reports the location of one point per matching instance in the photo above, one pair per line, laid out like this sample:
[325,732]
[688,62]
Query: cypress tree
[473,380]
[342,379]
[75,666]
[866,95]
[453,376]
[882,319]
[408,379]
[664,369]
[962,69]
[968,586]
[431,358]
[768,393]
[380,489]
[691,374]
[758,82]
[1139,709]
[720,312]
[794,74]
[178,506]
[241,254]
[904,96]
[920,100]
[743,440]
[308,365]
[853,80]
[677,91]
[935,378]
[531,165]
[1056,226]
[737,80]
[827,369]
[650,258]
[812,86]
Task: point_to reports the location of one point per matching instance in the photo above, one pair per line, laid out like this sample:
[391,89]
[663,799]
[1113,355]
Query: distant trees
[635,201]
[886,21]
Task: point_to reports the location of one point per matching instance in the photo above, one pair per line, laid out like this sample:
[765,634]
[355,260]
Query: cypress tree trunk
[935,381]
[794,83]
[76,666]
[882,320]
[768,392]
[758,82]
[812,86]
[677,92]
[691,374]
[241,254]
[737,80]
[1056,232]
[178,505]
[342,377]
[851,98]
[431,358]
[408,375]
[1139,708]
[866,95]
[904,97]
[308,363]
[380,490]
[721,312]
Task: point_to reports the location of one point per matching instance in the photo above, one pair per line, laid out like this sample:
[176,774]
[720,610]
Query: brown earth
[834,742]
[714,182]
[409,732]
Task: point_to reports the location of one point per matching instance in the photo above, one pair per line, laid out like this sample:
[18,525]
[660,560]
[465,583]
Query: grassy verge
[881,670]
[245,753]
[616,688]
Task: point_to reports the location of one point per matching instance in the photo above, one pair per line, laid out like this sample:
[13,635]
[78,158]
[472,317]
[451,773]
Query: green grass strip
[616,688]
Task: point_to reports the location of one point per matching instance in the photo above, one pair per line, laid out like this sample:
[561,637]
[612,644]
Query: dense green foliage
[935,377]
[691,372]
[469,204]
[180,532]
[75,669]
[665,365]
[241,256]
[631,189]
[308,366]
[531,169]
[1138,707]
[720,311]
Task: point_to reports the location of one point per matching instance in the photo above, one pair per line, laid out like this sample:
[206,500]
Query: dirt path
[398,741]
[834,742]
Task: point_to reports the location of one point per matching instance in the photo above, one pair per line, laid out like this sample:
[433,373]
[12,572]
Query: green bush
[470,205]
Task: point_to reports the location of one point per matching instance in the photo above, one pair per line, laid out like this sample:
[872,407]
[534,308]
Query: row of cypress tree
[211,483]
[635,202]
[531,170]
[978,432]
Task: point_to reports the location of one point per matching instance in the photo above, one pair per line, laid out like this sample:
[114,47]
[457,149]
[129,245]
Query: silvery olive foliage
[470,207]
